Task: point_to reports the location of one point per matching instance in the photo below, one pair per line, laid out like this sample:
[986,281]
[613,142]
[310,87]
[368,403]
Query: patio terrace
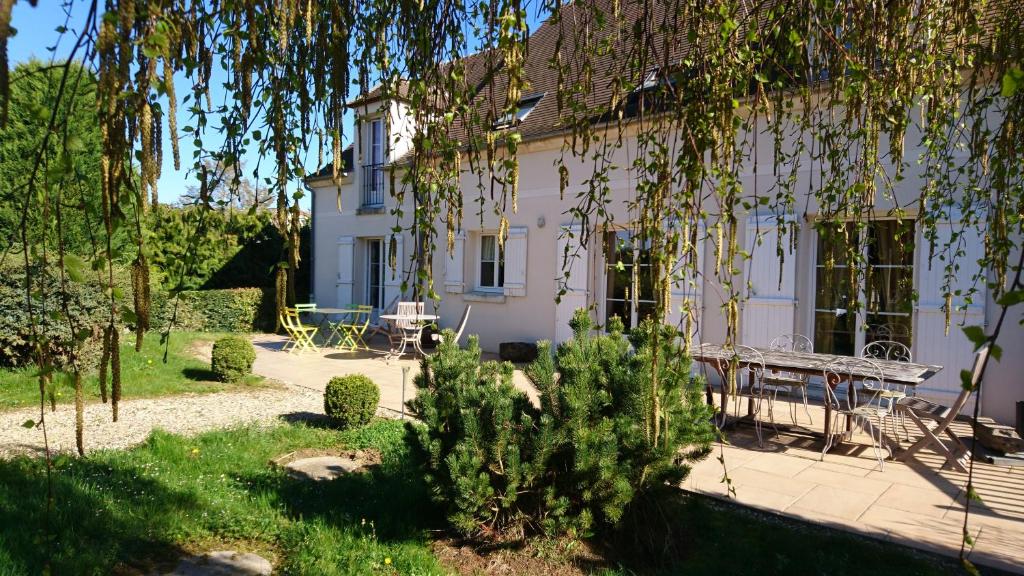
[916,505]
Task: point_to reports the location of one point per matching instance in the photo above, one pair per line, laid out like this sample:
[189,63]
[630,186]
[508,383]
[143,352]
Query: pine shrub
[232,358]
[351,400]
[617,417]
[479,442]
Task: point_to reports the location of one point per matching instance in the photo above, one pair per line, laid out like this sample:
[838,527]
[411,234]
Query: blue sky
[36,37]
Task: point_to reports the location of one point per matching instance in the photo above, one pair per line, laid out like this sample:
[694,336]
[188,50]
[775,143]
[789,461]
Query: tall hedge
[229,310]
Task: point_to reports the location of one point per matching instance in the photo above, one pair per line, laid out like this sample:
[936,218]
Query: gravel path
[188,414]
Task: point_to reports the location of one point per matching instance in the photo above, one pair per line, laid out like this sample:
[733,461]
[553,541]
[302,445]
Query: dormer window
[373,169]
[522,110]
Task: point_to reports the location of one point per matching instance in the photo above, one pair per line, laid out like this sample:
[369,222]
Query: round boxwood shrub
[351,400]
[232,358]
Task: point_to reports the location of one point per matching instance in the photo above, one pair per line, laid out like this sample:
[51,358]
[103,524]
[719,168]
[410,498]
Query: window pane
[891,243]
[618,282]
[833,289]
[501,275]
[644,310]
[890,290]
[487,248]
[645,281]
[834,334]
[834,242]
[487,274]
[888,327]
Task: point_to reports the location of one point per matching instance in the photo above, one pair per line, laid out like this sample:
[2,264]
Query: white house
[513,294]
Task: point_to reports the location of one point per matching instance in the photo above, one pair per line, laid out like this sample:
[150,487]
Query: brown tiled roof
[486,74]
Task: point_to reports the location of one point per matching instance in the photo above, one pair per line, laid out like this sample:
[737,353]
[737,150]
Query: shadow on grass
[199,374]
[311,419]
[90,533]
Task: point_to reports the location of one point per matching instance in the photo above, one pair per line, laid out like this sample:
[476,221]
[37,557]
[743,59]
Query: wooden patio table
[811,363]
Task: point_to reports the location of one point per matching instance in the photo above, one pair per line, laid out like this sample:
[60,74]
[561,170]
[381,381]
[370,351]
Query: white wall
[542,213]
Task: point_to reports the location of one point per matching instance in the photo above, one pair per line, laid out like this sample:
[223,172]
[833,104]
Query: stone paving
[915,505]
[314,369]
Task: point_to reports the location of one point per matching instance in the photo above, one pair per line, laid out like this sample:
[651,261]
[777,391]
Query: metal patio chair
[868,412]
[894,352]
[788,382]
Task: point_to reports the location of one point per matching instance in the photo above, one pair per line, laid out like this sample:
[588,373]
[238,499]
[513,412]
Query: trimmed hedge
[351,400]
[228,310]
[232,358]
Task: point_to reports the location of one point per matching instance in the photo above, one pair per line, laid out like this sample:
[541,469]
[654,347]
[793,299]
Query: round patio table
[412,326]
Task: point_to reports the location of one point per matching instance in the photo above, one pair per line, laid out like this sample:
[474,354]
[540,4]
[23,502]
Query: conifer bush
[232,358]
[351,400]
[617,417]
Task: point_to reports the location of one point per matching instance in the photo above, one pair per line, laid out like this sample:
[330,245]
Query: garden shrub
[232,358]
[602,436]
[351,400]
[480,439]
[89,308]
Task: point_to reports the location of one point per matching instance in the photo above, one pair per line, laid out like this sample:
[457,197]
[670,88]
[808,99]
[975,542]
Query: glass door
[629,286]
[375,273]
[850,312]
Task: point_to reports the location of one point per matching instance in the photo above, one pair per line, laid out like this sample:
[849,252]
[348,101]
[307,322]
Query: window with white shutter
[515,262]
[571,270]
[343,287]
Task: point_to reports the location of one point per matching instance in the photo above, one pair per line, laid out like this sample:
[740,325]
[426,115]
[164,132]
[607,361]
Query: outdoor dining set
[876,390]
[350,328]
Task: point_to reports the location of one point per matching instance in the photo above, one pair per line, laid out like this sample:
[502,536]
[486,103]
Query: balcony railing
[373,185]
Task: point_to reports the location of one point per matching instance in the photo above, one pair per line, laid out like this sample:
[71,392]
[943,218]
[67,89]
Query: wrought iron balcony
[373,185]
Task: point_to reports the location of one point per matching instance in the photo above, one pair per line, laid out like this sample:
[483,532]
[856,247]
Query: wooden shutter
[515,262]
[454,266]
[687,287]
[931,344]
[770,309]
[343,287]
[393,275]
[571,278]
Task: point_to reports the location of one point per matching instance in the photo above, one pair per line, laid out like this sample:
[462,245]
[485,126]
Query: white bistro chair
[864,408]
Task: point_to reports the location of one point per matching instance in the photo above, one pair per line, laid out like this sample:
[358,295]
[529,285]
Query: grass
[136,511]
[144,374]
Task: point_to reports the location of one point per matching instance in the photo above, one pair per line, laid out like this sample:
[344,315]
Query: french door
[629,285]
[850,312]
[375,273]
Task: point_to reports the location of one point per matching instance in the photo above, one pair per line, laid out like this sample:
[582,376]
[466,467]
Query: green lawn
[134,511]
[144,374]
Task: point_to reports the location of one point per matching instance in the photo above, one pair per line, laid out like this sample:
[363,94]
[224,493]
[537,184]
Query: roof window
[523,108]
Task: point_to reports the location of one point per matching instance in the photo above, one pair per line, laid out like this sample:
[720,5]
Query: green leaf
[75,267]
[1012,81]
[996,351]
[969,567]
[1011,298]
[966,380]
[976,334]
[28,423]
